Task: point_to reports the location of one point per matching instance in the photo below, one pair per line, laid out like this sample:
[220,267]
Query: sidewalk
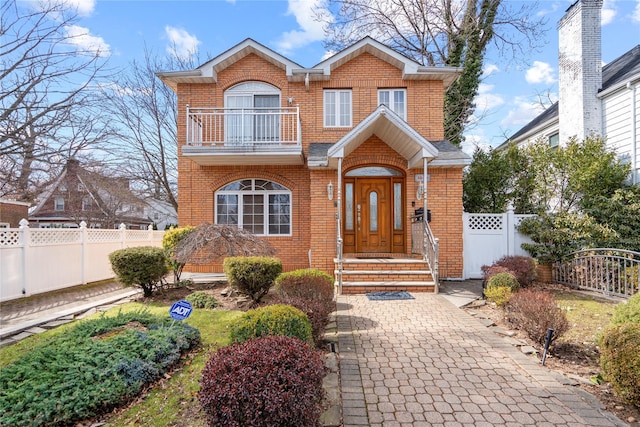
[21,318]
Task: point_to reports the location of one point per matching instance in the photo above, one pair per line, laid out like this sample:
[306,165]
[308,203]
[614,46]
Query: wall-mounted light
[330,190]
[420,191]
[290,100]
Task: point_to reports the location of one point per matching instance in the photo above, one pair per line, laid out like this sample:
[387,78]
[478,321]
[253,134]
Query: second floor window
[58,204]
[253,113]
[86,203]
[554,140]
[395,99]
[337,108]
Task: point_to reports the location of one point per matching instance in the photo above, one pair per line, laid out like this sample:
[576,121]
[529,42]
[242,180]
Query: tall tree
[47,106]
[144,110]
[439,32]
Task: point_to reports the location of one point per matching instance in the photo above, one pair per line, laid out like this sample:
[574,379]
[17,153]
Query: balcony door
[252,113]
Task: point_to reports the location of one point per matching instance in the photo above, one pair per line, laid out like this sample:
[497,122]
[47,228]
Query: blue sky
[508,96]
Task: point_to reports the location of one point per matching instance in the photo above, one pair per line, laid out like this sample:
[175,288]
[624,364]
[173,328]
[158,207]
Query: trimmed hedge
[278,319]
[628,312]
[620,360]
[504,279]
[252,276]
[268,381]
[316,312]
[311,284]
[143,266]
[91,368]
[498,294]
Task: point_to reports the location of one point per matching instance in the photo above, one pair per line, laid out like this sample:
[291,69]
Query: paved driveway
[424,362]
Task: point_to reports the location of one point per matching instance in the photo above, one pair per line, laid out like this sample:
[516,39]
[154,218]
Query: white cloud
[83,7]
[636,13]
[82,38]
[541,72]
[310,30]
[608,12]
[181,43]
[485,100]
[523,112]
[489,69]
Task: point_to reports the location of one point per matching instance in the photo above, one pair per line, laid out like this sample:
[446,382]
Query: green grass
[173,398]
[588,316]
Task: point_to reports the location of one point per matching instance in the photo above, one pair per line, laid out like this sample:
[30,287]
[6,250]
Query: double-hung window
[395,99]
[58,204]
[252,113]
[337,108]
[256,205]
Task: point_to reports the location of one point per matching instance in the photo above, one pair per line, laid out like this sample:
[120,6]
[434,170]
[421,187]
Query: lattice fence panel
[103,235]
[486,222]
[9,238]
[137,235]
[54,237]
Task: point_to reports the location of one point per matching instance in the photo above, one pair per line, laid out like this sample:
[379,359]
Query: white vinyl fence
[488,237]
[36,260]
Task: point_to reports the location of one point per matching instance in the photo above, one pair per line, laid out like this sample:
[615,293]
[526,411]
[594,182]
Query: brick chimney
[580,70]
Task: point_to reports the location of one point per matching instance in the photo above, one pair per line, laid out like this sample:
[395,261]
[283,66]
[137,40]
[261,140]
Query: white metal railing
[606,270]
[424,243]
[37,260]
[243,126]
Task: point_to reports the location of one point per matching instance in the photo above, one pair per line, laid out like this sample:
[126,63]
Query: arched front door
[373,216]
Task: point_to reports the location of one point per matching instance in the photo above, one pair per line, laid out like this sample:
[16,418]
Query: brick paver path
[423,362]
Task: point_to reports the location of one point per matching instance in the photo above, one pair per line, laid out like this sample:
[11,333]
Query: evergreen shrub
[504,279]
[278,319]
[252,276]
[202,299]
[498,294]
[311,284]
[143,266]
[628,312]
[316,312]
[620,360]
[264,382]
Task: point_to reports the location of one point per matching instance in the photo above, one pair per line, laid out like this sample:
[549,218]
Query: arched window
[256,205]
[252,112]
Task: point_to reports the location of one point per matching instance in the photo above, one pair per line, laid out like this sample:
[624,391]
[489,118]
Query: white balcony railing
[243,126]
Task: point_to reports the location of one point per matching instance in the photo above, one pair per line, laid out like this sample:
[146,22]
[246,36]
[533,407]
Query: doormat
[388,295]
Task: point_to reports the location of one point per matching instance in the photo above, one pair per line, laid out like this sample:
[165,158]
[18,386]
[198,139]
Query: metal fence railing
[610,271]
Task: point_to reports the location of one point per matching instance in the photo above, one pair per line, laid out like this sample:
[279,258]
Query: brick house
[11,212]
[329,163]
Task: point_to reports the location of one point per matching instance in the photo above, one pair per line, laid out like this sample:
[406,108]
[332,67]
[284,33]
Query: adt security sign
[180,310]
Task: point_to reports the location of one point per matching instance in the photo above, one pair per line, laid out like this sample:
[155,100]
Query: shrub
[276,319]
[534,312]
[488,271]
[620,360]
[170,240]
[269,381]
[628,312]
[523,267]
[90,368]
[316,312]
[202,299]
[310,284]
[498,294]
[252,276]
[143,266]
[505,280]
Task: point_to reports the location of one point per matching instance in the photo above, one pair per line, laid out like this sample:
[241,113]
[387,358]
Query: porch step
[361,275]
[364,287]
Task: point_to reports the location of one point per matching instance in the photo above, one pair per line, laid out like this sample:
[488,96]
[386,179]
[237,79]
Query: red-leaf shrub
[316,311]
[534,312]
[523,267]
[268,381]
[488,271]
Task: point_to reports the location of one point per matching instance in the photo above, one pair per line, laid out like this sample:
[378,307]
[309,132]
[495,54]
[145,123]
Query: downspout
[338,226]
[634,132]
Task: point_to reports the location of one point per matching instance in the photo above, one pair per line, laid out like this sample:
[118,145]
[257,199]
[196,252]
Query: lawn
[172,399]
[588,316]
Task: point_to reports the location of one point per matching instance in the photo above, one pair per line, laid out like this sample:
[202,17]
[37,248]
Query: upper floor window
[86,203]
[253,112]
[395,99]
[337,108]
[554,140]
[258,206]
[58,204]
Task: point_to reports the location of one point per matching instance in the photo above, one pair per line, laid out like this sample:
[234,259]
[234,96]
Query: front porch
[361,273]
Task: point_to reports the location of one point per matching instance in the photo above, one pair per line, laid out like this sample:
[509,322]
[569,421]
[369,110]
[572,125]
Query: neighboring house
[12,212]
[324,160]
[162,213]
[78,195]
[593,99]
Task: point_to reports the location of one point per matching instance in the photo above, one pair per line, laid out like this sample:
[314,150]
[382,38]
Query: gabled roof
[208,72]
[397,134]
[615,75]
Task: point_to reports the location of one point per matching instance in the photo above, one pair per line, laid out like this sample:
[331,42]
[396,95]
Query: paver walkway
[424,362]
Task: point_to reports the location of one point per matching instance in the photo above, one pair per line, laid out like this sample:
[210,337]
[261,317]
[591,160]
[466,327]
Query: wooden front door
[373,213]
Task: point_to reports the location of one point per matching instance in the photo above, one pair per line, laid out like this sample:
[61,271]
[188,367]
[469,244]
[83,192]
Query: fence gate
[488,237]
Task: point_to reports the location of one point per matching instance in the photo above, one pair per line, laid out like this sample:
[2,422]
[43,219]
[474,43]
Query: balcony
[243,136]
